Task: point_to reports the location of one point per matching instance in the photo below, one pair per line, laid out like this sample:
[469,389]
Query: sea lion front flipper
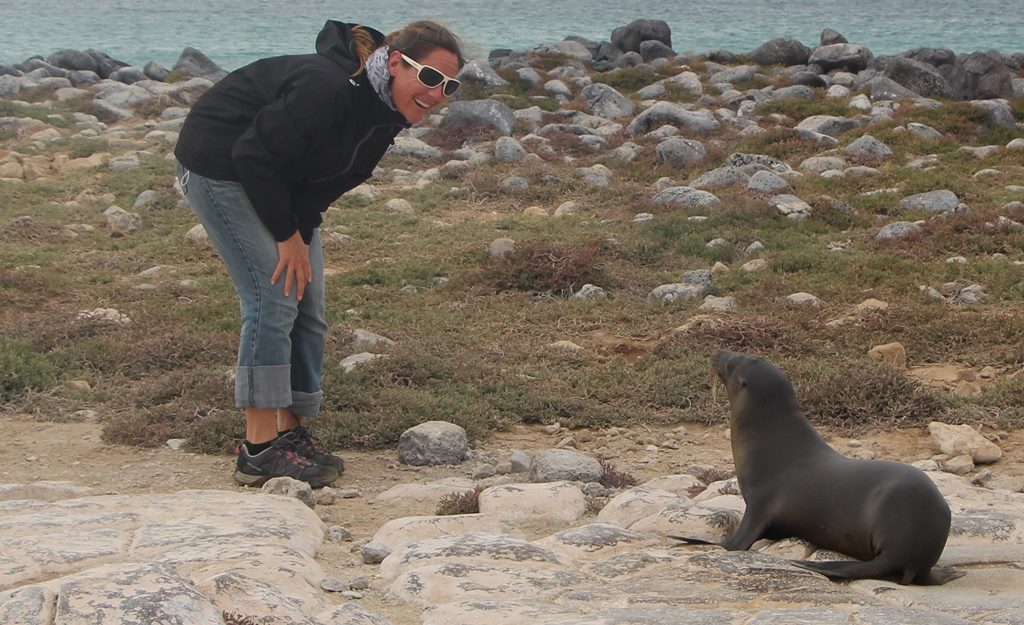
[939,575]
[750,530]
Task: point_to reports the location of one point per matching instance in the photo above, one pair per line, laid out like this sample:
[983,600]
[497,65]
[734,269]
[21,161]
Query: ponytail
[364,45]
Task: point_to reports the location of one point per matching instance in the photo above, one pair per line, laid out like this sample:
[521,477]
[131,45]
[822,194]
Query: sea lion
[888,515]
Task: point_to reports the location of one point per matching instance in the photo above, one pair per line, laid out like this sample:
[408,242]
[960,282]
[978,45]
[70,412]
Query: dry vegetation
[473,340]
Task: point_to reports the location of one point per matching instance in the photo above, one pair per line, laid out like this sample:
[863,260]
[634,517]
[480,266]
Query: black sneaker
[280,460]
[307,446]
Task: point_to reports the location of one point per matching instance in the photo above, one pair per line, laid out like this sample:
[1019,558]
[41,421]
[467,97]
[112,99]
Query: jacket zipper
[355,153]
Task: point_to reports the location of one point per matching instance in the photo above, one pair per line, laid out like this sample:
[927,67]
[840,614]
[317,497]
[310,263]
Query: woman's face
[412,98]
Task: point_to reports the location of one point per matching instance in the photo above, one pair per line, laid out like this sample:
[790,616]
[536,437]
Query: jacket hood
[336,42]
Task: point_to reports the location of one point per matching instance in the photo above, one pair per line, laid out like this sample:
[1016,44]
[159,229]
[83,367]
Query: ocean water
[235,32]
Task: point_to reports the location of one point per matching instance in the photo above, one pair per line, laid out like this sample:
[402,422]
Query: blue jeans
[281,351]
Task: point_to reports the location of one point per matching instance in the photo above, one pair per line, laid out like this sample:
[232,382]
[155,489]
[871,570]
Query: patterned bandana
[380,78]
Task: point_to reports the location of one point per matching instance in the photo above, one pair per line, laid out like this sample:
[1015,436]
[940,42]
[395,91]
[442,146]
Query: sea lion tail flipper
[848,569]
[683,538]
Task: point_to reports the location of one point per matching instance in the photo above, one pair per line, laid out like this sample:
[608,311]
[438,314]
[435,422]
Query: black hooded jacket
[296,131]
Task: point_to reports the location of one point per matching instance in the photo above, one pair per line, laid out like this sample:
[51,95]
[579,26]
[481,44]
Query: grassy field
[473,336]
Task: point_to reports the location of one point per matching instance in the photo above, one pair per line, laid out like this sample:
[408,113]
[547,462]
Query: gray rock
[781,51]
[686,197]
[972,294]
[121,222]
[885,88]
[512,184]
[529,79]
[508,150]
[830,37]
[924,131]
[981,76]
[767,182]
[501,247]
[917,76]
[819,165]
[733,75]
[433,443]
[128,75]
[366,341]
[997,112]
[681,153]
[409,146]
[374,553]
[291,488]
[155,71]
[898,230]
[791,206]
[652,49]
[480,74]
[669,113]
[553,465]
[73,60]
[808,79]
[194,63]
[843,56]
[720,178]
[105,64]
[828,124]
[487,113]
[938,201]
[868,149]
[628,38]
[679,291]
[604,101]
[751,163]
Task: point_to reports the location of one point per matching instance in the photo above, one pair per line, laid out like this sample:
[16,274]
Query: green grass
[473,340]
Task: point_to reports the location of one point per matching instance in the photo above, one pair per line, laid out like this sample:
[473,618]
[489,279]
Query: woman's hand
[293,262]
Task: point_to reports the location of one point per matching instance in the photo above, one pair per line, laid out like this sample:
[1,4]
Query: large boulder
[604,101]
[194,63]
[844,56]
[628,38]
[73,60]
[981,76]
[921,78]
[652,49]
[489,113]
[781,51]
[661,113]
[105,64]
[481,74]
[936,57]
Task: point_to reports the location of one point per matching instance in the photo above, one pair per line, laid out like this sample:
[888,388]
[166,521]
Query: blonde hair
[364,44]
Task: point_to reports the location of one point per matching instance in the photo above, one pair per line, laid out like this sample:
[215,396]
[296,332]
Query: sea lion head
[753,382]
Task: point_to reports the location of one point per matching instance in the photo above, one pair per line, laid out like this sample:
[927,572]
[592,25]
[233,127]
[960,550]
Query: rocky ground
[167,524]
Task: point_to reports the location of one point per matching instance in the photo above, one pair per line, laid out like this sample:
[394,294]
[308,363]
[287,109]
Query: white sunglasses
[432,77]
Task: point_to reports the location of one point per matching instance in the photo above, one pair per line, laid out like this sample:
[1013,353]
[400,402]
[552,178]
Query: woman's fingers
[293,262]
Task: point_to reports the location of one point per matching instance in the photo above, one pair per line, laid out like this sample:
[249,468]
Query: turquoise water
[235,32]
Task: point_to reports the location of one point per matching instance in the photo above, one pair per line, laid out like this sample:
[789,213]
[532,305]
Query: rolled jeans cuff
[267,386]
[305,405]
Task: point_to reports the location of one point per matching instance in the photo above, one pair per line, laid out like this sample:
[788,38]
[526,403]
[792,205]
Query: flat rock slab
[191,557]
[187,557]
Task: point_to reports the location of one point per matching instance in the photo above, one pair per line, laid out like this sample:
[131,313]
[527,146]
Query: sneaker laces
[303,434]
[286,446]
